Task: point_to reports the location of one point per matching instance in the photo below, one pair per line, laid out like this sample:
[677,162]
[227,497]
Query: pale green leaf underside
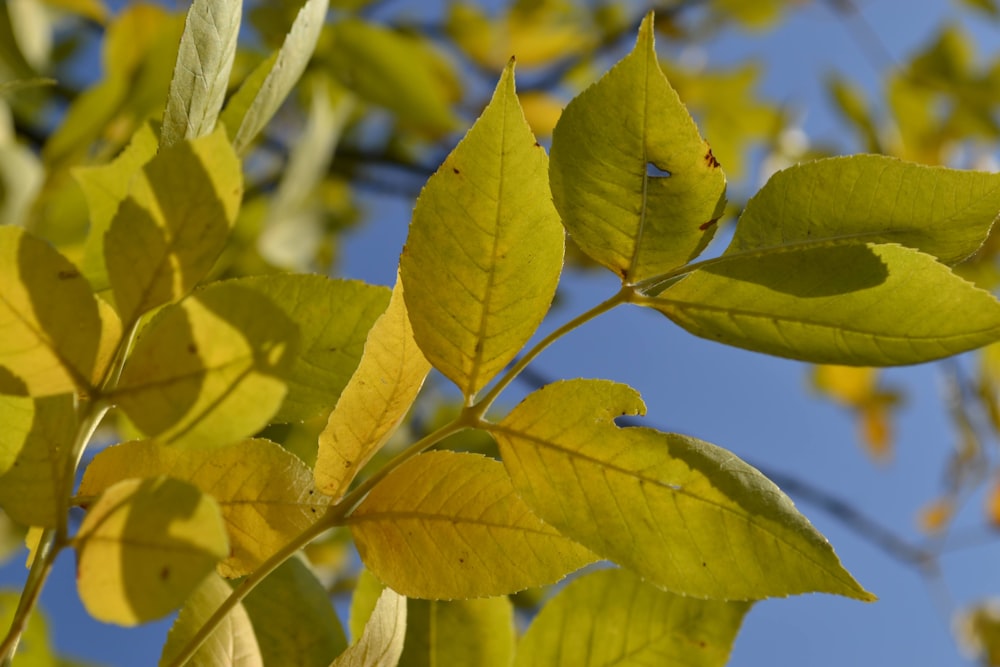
[685,515]
[869,305]
[201,74]
[381,644]
[447,525]
[943,212]
[612,617]
[485,247]
[609,151]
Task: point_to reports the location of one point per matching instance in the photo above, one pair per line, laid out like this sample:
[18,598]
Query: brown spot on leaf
[68,274]
[711,161]
[164,573]
[705,225]
[455,170]
[192,348]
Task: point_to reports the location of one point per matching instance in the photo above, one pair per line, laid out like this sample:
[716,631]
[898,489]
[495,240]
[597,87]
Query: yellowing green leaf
[637,187]
[201,75]
[211,369]
[382,641]
[612,617]
[333,317]
[865,305]
[447,525]
[231,643]
[265,494]
[143,548]
[35,647]
[387,380]
[170,230]
[294,618]
[49,323]
[39,433]
[685,515]
[485,248]
[946,213]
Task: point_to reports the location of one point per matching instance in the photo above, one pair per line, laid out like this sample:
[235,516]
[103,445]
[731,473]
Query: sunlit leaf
[448,525]
[35,647]
[201,74]
[637,187]
[294,618]
[685,515]
[143,548]
[935,516]
[266,494]
[382,641]
[17,414]
[159,244]
[50,327]
[211,369]
[858,304]
[375,401]
[231,643]
[858,388]
[612,617]
[485,248]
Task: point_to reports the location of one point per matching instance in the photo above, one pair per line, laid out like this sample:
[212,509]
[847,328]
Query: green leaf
[685,515]
[257,100]
[231,643]
[35,647]
[637,187]
[210,370]
[160,244]
[41,430]
[333,317]
[143,548]
[865,305]
[485,247]
[448,525]
[294,619]
[612,617]
[376,400]
[17,414]
[50,327]
[265,493]
[943,212]
[201,75]
[382,641]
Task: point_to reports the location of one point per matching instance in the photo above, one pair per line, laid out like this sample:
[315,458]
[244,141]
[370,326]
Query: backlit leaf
[231,643]
[160,244]
[685,515]
[612,617]
[375,401]
[866,305]
[266,494]
[143,548]
[382,641]
[485,247]
[35,647]
[448,525]
[17,413]
[637,187]
[49,323]
[211,369]
[201,75]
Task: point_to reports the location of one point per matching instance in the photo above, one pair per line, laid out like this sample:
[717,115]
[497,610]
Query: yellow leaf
[848,385]
[265,494]
[447,525]
[936,515]
[144,546]
[380,392]
[993,503]
[381,644]
[541,110]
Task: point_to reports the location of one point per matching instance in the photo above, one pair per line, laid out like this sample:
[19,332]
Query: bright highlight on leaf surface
[382,641]
[50,328]
[387,380]
[265,493]
[612,617]
[685,515]
[485,247]
[637,187]
[232,643]
[144,546]
[448,525]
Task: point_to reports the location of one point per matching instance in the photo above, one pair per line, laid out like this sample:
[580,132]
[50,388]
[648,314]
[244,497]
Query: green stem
[45,556]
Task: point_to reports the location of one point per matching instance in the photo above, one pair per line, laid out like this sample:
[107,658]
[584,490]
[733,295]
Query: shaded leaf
[612,617]
[485,247]
[381,391]
[231,643]
[447,525]
[143,548]
[382,641]
[17,414]
[685,515]
[265,494]
[637,187]
[35,647]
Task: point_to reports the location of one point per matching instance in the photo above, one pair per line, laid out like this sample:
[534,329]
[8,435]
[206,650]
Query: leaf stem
[48,548]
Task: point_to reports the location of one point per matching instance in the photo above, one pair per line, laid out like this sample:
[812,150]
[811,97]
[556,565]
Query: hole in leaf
[656,172]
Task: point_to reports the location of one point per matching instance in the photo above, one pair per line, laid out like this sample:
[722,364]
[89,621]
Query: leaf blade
[381,644]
